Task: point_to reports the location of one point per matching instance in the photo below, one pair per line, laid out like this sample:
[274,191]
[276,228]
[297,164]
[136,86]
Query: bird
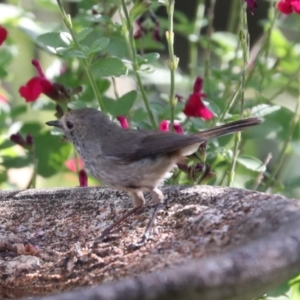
[134,160]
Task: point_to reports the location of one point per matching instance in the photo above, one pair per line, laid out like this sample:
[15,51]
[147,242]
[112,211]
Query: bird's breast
[146,173]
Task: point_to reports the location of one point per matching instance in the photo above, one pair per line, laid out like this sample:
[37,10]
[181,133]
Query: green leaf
[262,110]
[33,128]
[51,153]
[225,39]
[118,48]
[99,45]
[109,66]
[122,106]
[3,177]
[55,39]
[138,9]
[150,57]
[16,162]
[6,144]
[280,290]
[84,33]
[18,110]
[72,53]
[280,44]
[3,73]
[5,56]
[251,163]
[125,103]
[109,105]
[164,2]
[269,129]
[76,104]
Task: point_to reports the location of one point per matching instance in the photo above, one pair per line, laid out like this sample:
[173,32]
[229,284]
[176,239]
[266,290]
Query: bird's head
[81,124]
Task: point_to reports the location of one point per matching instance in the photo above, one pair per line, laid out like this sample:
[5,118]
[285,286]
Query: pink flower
[251,5]
[39,85]
[123,122]
[3,35]
[83,178]
[72,164]
[3,98]
[194,106]
[289,6]
[164,126]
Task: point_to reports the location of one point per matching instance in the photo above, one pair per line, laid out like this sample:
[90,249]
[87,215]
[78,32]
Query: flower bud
[83,178]
[18,139]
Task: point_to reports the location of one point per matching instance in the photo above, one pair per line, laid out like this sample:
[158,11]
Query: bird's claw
[142,242]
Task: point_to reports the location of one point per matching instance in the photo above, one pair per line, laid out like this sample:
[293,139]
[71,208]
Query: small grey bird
[133,160]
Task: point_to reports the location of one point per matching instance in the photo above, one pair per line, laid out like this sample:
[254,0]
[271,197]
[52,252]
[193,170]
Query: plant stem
[67,20]
[244,36]
[266,46]
[194,38]
[115,87]
[282,154]
[128,33]
[32,181]
[236,152]
[234,9]
[210,28]
[172,62]
[230,104]
[260,176]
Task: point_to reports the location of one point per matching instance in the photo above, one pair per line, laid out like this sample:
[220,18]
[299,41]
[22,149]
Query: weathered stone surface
[208,243]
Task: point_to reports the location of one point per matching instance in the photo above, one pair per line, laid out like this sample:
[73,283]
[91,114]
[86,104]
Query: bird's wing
[143,143]
[149,144]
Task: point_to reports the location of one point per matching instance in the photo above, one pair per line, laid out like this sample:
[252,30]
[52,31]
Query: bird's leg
[158,197]
[138,200]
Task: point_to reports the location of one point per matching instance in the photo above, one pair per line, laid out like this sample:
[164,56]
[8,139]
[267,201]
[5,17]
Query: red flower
[251,5]
[156,33]
[38,85]
[194,106]
[143,21]
[18,139]
[289,6]
[72,164]
[31,90]
[140,30]
[296,6]
[3,35]
[123,122]
[177,127]
[27,143]
[164,126]
[83,178]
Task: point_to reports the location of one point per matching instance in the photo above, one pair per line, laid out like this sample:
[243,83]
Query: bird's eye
[69,124]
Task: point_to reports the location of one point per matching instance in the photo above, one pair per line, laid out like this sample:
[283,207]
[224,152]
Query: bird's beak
[55,123]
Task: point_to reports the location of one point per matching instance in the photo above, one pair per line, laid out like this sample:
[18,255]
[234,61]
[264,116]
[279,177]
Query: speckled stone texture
[208,243]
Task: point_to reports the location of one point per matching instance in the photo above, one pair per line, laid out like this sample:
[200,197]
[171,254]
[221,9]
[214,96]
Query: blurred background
[273,83]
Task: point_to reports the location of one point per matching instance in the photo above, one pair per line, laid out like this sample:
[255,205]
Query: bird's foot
[142,242]
[106,236]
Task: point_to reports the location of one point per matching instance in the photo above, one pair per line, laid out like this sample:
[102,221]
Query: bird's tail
[228,128]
